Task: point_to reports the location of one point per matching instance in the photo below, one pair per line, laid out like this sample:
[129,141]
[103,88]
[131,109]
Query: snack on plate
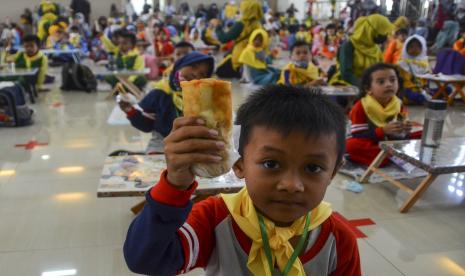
[210,100]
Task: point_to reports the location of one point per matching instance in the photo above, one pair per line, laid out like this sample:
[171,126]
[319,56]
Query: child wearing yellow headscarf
[255,58]
[251,16]
[361,50]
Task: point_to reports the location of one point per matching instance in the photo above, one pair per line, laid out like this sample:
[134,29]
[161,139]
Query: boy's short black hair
[366,80]
[130,36]
[299,43]
[32,38]
[402,31]
[184,44]
[290,108]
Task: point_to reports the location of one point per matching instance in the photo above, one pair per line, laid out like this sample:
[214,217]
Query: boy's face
[30,48]
[126,45]
[195,71]
[258,41]
[287,176]
[301,53]
[180,52]
[331,31]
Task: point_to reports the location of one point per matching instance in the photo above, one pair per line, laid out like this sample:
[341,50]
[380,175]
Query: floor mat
[355,170]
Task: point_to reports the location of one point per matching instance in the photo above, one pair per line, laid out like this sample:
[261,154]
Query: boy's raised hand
[190,142]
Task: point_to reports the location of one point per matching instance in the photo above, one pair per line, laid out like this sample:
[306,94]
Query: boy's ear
[238,168]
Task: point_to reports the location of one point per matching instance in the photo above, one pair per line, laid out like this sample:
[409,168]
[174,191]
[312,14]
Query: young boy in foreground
[291,146]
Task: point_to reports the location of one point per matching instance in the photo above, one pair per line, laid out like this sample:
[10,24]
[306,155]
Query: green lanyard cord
[297,250]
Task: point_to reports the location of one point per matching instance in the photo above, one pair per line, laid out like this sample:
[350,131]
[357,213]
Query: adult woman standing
[251,16]
[361,50]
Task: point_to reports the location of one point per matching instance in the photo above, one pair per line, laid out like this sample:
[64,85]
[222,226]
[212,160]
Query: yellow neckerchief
[378,114]
[175,95]
[29,60]
[299,76]
[243,212]
[304,36]
[366,51]
[248,56]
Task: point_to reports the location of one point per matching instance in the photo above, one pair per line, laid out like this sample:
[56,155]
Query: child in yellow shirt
[301,71]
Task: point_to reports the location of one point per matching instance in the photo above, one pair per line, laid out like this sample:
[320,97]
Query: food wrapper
[210,100]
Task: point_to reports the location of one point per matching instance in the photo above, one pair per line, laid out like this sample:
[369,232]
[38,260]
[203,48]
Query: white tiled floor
[52,220]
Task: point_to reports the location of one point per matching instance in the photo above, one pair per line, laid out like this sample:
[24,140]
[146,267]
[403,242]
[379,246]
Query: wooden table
[134,175]
[340,91]
[442,81]
[123,78]
[448,158]
[30,76]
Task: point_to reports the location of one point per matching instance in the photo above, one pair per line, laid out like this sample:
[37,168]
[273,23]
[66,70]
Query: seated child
[330,42]
[394,49]
[303,35]
[165,101]
[255,58]
[459,45]
[291,146]
[77,40]
[63,43]
[163,47]
[196,40]
[301,71]
[180,49]
[55,32]
[413,61]
[128,58]
[31,57]
[111,44]
[378,115]
[208,36]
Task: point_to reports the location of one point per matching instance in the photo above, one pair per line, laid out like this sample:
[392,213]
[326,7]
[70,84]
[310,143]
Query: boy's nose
[291,183]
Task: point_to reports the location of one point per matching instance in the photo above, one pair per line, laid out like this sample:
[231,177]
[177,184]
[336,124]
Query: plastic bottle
[434,122]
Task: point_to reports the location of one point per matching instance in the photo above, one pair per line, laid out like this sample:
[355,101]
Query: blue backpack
[14,111]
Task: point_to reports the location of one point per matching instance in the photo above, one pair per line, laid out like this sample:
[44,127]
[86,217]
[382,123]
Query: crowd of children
[292,141]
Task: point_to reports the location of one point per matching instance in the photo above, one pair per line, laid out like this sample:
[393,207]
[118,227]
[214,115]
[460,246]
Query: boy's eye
[270,164]
[381,82]
[313,168]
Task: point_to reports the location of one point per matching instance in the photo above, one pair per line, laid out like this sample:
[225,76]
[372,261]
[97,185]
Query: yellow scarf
[175,95]
[378,114]
[242,210]
[249,57]
[299,76]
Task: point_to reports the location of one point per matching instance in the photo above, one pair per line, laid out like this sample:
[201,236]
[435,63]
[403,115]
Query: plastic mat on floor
[355,170]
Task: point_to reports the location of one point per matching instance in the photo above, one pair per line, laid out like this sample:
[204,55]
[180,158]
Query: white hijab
[412,64]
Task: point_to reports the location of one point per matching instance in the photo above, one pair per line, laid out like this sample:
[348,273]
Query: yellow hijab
[248,56]
[401,22]
[378,114]
[242,210]
[251,16]
[299,76]
[366,51]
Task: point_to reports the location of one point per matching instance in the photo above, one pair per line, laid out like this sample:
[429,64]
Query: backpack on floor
[14,111]
[78,77]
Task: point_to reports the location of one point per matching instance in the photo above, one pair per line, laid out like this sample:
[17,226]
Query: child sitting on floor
[165,101]
[378,115]
[291,145]
[31,57]
[413,61]
[330,42]
[301,71]
[256,60]
[393,51]
[303,35]
[128,58]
